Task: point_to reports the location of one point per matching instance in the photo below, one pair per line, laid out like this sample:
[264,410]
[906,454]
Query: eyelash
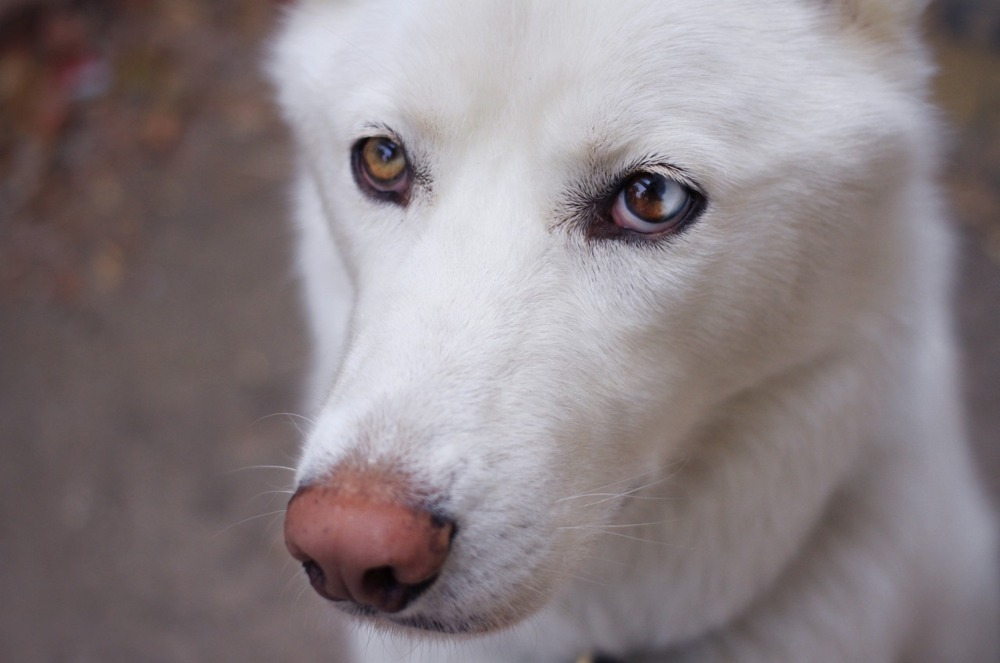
[590,208]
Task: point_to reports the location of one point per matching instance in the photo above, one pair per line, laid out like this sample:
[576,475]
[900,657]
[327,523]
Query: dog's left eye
[653,203]
[381,169]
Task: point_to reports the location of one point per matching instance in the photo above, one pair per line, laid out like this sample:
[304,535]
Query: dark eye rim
[396,191]
[601,225]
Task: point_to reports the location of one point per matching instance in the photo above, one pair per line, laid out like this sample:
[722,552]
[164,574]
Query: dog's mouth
[468,625]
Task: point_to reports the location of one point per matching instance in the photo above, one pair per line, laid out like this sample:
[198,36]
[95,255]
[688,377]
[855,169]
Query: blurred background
[151,344]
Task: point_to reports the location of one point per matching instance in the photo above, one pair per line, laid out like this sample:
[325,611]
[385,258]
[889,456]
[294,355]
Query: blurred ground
[151,340]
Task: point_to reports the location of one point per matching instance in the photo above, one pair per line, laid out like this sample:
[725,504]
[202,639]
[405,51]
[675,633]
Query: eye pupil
[385,150]
[646,197]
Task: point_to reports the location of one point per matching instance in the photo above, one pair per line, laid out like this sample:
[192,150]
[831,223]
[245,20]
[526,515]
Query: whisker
[259,467]
[259,495]
[246,520]
[293,418]
[605,487]
[607,495]
[630,493]
[291,415]
[302,592]
[277,522]
[641,539]
[536,590]
[606,527]
[612,495]
[576,576]
[295,576]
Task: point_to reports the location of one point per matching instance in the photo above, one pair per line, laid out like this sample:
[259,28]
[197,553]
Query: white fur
[743,444]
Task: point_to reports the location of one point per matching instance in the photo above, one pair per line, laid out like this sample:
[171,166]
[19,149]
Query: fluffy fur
[742,443]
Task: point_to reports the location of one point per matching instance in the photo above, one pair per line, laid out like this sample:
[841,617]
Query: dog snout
[360,540]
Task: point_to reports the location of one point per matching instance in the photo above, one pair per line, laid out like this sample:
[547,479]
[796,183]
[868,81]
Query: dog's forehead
[561,82]
[587,73]
[454,64]
[526,56]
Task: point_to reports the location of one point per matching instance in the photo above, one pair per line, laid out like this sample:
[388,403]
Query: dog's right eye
[652,203]
[382,170]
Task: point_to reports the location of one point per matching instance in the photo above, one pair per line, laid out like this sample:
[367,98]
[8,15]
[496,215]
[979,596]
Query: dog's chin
[429,625]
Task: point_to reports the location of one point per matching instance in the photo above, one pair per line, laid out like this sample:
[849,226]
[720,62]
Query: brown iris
[382,170]
[653,203]
[645,197]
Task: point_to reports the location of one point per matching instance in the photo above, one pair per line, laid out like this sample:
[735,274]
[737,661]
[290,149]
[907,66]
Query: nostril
[314,572]
[381,588]
[384,589]
[317,578]
[379,581]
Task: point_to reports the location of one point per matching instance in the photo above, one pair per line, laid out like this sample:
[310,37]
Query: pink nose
[359,542]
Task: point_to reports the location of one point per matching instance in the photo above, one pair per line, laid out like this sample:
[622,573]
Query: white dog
[632,334]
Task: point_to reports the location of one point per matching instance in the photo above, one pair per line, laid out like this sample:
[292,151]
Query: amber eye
[653,203]
[381,169]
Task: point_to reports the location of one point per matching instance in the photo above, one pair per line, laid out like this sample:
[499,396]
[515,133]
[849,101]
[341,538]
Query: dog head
[573,231]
